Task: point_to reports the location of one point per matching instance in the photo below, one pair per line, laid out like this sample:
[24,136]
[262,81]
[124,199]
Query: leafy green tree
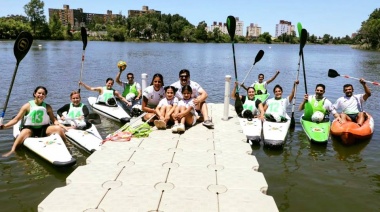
[35,12]
[265,38]
[200,32]
[56,28]
[369,33]
[326,38]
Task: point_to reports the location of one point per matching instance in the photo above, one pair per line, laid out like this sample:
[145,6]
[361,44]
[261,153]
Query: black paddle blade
[303,40]
[231,26]
[258,57]
[238,105]
[22,45]
[83,33]
[292,122]
[332,73]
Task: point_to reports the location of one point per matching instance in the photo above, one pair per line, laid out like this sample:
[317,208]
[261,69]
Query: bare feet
[7,154]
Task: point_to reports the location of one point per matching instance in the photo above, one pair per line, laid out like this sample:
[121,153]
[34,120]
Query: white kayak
[88,139]
[51,148]
[274,133]
[252,129]
[116,113]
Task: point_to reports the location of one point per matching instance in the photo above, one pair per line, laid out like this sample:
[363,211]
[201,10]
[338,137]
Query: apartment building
[284,27]
[253,30]
[145,10]
[77,18]
[223,27]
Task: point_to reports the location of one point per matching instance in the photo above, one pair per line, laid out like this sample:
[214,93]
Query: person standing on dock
[132,89]
[198,94]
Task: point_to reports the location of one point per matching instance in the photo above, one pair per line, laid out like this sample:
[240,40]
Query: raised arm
[233,96]
[366,89]
[274,77]
[98,89]
[118,81]
[291,96]
[305,99]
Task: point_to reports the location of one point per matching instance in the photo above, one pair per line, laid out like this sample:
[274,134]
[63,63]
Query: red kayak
[350,132]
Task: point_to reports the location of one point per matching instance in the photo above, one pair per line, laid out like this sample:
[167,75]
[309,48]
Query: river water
[301,177]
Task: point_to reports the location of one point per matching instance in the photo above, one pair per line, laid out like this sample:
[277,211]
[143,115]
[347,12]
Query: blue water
[301,177]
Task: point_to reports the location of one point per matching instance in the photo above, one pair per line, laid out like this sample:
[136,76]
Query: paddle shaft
[233,53]
[373,83]
[304,73]
[295,88]
[81,70]
[9,94]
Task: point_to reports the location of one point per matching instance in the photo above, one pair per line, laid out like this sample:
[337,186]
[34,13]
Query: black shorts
[353,117]
[37,132]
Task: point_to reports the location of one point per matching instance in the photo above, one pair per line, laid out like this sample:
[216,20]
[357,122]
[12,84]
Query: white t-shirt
[349,105]
[165,101]
[188,103]
[153,96]
[197,89]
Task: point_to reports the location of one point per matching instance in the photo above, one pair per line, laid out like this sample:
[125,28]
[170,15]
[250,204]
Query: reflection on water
[301,176]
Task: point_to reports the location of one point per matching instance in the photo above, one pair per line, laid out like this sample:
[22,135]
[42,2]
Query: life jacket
[107,94]
[277,106]
[317,105]
[260,87]
[37,116]
[130,89]
[75,112]
[250,105]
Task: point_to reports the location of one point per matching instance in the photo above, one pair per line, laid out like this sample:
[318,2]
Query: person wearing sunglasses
[199,96]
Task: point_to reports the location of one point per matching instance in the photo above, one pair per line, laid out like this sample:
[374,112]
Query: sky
[337,18]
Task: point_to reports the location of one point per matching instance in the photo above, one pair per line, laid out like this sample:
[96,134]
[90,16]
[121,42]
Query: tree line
[163,28]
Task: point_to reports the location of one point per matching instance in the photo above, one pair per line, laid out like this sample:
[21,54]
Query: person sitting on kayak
[106,94]
[316,102]
[252,108]
[75,111]
[36,116]
[261,85]
[132,89]
[352,105]
[275,108]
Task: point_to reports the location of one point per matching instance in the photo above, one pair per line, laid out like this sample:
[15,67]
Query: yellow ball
[121,64]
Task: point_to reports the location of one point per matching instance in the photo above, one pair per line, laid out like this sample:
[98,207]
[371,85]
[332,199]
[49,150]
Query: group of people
[181,104]
[38,118]
[351,105]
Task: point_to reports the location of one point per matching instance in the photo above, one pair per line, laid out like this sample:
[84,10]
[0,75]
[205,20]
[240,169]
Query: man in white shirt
[199,95]
[352,105]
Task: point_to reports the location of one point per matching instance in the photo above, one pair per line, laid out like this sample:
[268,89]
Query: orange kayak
[351,132]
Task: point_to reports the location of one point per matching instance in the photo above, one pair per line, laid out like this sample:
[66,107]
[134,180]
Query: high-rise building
[77,18]
[284,27]
[223,27]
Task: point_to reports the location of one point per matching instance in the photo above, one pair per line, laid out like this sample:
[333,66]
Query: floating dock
[200,170]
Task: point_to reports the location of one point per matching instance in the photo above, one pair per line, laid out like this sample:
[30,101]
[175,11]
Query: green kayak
[316,132]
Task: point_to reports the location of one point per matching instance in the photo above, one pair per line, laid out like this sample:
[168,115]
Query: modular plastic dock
[200,170]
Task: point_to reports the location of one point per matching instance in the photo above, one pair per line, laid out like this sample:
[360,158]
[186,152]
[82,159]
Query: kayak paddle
[83,33]
[21,48]
[332,73]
